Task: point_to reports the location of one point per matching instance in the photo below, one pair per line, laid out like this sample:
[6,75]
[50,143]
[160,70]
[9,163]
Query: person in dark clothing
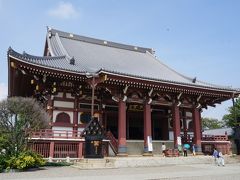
[184,152]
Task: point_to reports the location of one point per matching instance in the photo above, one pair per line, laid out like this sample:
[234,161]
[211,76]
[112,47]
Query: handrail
[113,141]
[215,138]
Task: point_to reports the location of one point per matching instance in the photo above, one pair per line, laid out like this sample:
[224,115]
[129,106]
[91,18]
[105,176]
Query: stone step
[141,161]
[94,163]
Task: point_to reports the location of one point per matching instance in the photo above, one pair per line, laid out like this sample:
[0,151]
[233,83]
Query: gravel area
[191,171]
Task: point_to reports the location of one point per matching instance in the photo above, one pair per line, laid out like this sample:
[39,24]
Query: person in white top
[220,159]
[163,149]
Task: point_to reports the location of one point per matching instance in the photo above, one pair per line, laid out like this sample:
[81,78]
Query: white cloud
[3,91]
[64,10]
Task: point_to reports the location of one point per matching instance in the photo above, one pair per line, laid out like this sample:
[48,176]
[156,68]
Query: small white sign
[149,142]
[179,140]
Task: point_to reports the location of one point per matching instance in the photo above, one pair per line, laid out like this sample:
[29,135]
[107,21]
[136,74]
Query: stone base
[199,153]
[122,154]
[147,154]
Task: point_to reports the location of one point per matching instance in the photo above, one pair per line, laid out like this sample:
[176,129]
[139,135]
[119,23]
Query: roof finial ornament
[72,61]
[194,80]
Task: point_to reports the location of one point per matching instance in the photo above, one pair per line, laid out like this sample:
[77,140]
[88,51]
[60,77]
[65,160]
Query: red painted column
[75,117]
[122,144]
[80,149]
[176,123]
[147,126]
[51,150]
[197,129]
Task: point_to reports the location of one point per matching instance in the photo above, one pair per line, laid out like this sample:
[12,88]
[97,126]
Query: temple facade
[134,96]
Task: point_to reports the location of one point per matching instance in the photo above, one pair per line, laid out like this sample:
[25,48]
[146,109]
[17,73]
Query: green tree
[230,119]
[18,116]
[211,123]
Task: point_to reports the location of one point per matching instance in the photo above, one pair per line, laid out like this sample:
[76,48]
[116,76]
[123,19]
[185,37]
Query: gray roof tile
[94,55]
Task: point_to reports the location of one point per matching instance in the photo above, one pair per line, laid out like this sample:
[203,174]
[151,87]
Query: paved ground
[179,172]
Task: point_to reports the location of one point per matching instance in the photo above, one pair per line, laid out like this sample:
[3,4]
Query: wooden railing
[42,148]
[189,138]
[63,150]
[215,138]
[49,133]
[112,141]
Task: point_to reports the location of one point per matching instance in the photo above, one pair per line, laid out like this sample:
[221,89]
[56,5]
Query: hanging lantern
[37,87]
[54,89]
[32,81]
[13,65]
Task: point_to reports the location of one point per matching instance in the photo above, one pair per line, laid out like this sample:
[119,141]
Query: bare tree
[18,116]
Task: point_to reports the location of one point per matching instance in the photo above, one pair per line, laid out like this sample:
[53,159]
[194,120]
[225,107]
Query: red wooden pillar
[122,144]
[176,123]
[51,153]
[147,127]
[80,149]
[75,117]
[197,129]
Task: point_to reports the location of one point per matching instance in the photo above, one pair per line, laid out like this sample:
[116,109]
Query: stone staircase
[141,161]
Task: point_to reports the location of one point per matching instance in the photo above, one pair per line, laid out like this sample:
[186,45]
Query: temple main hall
[138,100]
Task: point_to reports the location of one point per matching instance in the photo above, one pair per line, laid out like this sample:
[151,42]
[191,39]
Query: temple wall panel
[188,121]
[189,114]
[68,95]
[64,104]
[55,113]
[171,137]
[62,128]
[60,94]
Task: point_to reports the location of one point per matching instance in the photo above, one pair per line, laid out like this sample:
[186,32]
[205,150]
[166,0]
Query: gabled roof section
[82,55]
[55,62]
[95,55]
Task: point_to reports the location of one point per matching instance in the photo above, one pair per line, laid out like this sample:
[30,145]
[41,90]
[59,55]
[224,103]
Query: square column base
[122,154]
[147,154]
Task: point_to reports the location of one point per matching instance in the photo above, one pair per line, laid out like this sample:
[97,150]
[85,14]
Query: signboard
[149,142]
[179,140]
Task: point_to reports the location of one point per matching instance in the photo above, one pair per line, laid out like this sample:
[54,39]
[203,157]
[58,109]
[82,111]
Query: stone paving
[180,171]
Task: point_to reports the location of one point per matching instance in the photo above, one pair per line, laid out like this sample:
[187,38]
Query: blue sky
[195,37]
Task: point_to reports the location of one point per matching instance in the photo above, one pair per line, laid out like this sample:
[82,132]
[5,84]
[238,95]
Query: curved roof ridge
[98,41]
[32,57]
[166,81]
[49,44]
[189,78]
[53,62]
[171,69]
[61,48]
[211,84]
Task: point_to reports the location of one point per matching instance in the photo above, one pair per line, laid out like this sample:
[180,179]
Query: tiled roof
[56,62]
[95,55]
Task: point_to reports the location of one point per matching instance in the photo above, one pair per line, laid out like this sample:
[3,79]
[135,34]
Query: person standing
[184,151]
[163,149]
[220,159]
[215,155]
[193,150]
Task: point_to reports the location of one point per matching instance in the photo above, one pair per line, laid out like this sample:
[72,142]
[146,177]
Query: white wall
[64,104]
[171,137]
[60,94]
[68,95]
